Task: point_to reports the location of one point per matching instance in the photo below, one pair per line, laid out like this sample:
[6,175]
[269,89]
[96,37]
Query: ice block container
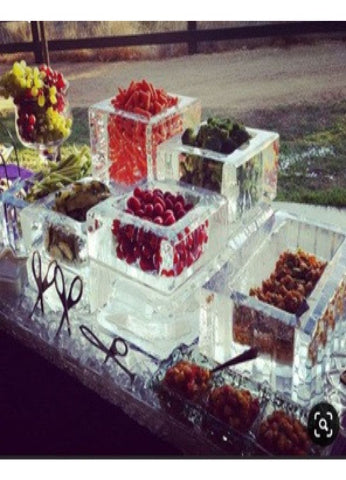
[62,235]
[124,144]
[295,348]
[154,322]
[246,176]
[162,256]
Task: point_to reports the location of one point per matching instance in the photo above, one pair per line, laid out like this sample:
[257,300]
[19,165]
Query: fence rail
[192,36]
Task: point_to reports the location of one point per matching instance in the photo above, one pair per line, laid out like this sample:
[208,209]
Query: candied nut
[235,407]
[282,434]
[188,379]
[294,278]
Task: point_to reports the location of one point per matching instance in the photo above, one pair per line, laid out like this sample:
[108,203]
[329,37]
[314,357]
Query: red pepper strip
[141,111]
[132,100]
[132,86]
[157,107]
[147,86]
[146,100]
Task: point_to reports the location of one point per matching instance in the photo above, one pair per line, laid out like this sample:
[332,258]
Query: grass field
[312,148]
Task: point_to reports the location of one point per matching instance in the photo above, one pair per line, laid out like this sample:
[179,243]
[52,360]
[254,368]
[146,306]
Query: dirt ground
[235,81]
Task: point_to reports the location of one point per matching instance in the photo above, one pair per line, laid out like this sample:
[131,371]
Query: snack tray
[137,396]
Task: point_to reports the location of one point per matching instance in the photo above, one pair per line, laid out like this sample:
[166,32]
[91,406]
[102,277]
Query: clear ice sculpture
[156,307]
[124,144]
[166,256]
[155,323]
[57,236]
[246,176]
[295,350]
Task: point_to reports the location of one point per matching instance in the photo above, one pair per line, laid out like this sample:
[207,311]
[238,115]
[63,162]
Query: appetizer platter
[150,264]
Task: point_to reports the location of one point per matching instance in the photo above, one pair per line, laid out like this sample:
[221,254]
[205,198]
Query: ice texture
[124,144]
[295,351]
[154,327]
[202,233]
[246,177]
[57,236]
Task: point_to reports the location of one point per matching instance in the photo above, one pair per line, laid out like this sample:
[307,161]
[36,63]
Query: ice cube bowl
[178,251]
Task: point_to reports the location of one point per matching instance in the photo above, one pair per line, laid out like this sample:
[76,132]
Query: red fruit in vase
[158,220]
[115,226]
[32,119]
[176,258]
[169,204]
[60,103]
[137,251]
[158,209]
[201,235]
[138,193]
[130,232]
[120,253]
[146,265]
[160,200]
[189,242]
[179,214]
[127,246]
[146,252]
[190,259]
[141,236]
[197,252]
[168,213]
[134,204]
[157,192]
[28,93]
[149,210]
[179,267]
[60,83]
[180,199]
[157,259]
[169,220]
[181,249]
[154,242]
[178,206]
[130,258]
[148,197]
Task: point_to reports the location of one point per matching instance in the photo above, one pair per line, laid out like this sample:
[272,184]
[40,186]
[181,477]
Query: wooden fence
[192,36]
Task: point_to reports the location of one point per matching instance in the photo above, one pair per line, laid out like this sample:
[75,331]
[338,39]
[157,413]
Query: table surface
[45,412]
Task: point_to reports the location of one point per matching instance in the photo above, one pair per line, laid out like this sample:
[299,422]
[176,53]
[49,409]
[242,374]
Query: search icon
[323,424]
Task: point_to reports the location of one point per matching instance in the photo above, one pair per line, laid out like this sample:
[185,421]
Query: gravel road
[236,81]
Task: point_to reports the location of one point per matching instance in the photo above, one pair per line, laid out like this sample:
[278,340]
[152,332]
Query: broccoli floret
[240,137]
[213,143]
[228,146]
[202,135]
[188,137]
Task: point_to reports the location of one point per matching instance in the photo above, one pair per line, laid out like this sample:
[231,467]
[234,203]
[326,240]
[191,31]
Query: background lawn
[312,147]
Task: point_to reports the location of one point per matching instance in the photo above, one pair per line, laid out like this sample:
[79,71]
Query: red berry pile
[141,246]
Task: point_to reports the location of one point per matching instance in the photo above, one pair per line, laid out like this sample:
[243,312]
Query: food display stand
[151,274]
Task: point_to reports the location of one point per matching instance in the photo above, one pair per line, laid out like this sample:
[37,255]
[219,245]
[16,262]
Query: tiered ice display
[56,227]
[175,256]
[124,144]
[245,177]
[166,246]
[296,347]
